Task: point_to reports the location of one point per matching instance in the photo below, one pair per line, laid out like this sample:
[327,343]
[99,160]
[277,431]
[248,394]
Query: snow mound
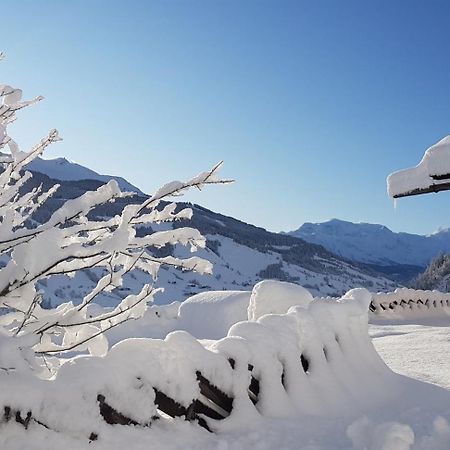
[276,297]
[209,315]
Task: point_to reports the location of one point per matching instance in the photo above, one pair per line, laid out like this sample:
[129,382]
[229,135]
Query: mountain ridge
[242,255]
[375,243]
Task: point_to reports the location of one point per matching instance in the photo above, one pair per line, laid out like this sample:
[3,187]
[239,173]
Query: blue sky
[310,103]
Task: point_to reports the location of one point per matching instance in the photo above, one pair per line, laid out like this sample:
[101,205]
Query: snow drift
[314,360]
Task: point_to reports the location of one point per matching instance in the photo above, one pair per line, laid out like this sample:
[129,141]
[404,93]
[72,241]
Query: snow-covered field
[419,350]
[409,416]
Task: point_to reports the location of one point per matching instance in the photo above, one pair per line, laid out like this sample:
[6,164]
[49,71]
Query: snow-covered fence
[315,359]
[409,303]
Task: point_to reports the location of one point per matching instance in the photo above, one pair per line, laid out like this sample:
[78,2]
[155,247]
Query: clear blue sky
[310,103]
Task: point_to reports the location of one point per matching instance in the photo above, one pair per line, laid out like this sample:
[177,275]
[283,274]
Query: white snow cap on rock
[276,297]
[435,163]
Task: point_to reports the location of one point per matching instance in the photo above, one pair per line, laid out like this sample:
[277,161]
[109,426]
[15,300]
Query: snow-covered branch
[71,241]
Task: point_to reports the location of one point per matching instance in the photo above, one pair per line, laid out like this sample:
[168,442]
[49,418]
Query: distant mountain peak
[374,243]
[61,161]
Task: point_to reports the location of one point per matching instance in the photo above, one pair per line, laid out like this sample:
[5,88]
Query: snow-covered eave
[432,188]
[409,182]
[432,174]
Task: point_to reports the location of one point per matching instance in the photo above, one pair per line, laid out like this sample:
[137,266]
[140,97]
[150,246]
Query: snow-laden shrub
[69,242]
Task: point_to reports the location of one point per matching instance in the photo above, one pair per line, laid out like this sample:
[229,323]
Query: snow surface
[348,400]
[276,297]
[419,350]
[209,315]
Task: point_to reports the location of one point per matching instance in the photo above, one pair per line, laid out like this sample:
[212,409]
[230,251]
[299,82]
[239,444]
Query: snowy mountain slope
[236,267]
[242,255]
[375,244]
[63,169]
[436,276]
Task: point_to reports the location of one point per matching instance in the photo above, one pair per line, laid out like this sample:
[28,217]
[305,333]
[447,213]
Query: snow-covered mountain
[242,255]
[63,169]
[375,244]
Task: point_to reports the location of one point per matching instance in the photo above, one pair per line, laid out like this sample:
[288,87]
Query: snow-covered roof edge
[432,174]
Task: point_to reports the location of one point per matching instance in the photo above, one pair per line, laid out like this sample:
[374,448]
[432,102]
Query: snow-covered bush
[70,241]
